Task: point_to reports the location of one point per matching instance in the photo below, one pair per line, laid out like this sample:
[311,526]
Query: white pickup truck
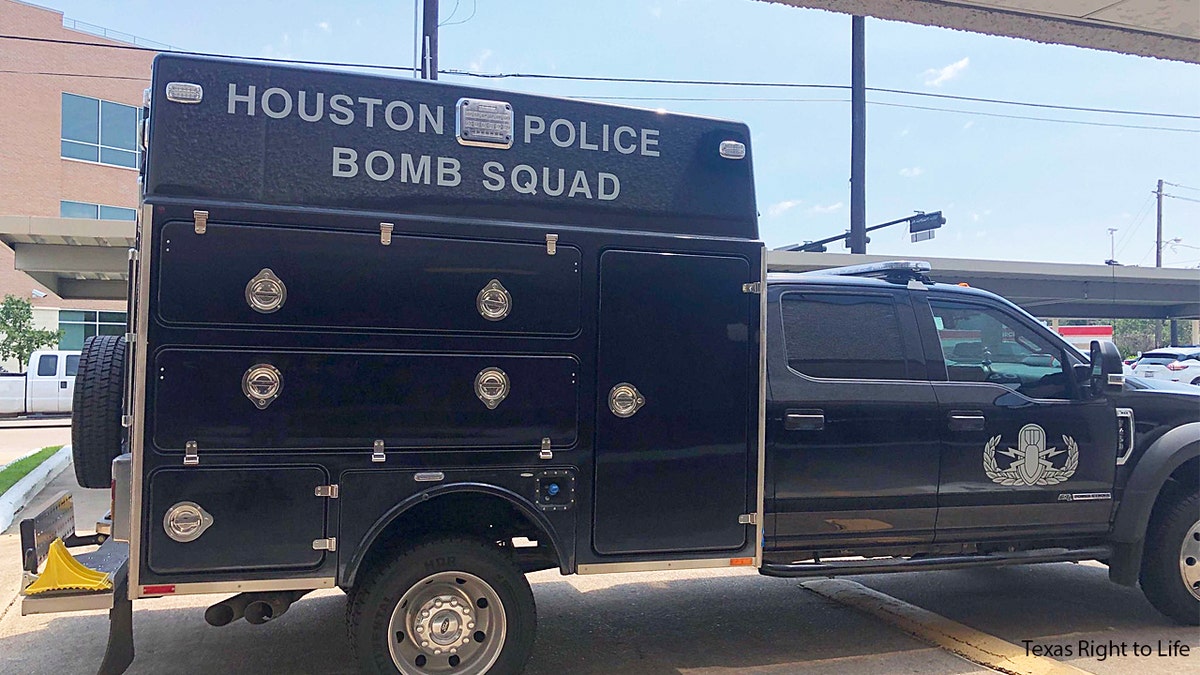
[46,386]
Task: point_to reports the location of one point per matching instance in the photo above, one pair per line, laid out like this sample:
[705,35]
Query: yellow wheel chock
[63,572]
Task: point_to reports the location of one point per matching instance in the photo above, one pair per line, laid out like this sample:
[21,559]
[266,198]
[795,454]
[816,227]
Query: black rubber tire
[372,601]
[1162,582]
[96,431]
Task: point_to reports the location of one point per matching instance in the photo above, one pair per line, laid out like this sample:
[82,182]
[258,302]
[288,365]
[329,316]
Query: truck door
[43,384]
[852,432]
[66,383]
[677,385]
[1023,454]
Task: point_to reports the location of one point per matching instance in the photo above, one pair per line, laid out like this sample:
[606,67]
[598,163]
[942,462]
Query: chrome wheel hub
[449,622]
[1189,559]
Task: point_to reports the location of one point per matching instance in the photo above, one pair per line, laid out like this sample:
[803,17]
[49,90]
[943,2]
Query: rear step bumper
[884,565]
[57,521]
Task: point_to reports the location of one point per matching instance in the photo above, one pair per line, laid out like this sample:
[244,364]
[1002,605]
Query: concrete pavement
[16,441]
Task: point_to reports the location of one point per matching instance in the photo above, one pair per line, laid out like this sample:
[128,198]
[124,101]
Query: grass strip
[20,468]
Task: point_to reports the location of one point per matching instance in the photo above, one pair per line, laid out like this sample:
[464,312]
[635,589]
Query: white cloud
[903,133]
[656,12]
[780,208]
[826,209]
[912,171]
[969,124]
[480,60]
[324,26]
[936,77]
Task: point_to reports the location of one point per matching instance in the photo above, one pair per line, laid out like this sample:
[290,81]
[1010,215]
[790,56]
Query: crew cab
[427,339]
[47,385]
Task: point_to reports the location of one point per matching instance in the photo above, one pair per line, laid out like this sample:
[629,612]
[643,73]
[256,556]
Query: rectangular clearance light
[184,92]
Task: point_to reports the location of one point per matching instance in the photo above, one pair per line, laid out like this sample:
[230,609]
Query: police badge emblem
[1032,463]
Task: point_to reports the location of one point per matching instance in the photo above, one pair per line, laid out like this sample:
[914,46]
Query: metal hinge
[385,233]
[551,244]
[126,421]
[133,254]
[191,454]
[378,454]
[748,519]
[754,287]
[545,452]
[329,544]
[201,218]
[330,491]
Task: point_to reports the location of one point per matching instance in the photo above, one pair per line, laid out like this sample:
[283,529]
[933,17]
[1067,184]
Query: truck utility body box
[384,289]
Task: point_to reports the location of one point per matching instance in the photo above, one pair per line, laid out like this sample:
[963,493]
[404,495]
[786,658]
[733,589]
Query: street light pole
[858,136]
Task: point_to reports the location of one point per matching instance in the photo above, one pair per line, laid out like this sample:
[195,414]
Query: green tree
[21,338]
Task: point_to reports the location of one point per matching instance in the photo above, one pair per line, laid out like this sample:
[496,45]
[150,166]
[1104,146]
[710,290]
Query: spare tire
[96,431]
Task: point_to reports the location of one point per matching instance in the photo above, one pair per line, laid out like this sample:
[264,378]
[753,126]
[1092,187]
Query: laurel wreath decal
[1012,475]
[1056,476]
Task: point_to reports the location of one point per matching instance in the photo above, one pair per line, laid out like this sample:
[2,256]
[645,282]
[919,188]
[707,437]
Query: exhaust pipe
[267,606]
[227,611]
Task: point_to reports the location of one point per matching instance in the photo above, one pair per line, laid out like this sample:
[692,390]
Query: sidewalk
[16,442]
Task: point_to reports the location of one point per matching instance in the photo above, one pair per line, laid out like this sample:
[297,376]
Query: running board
[954,562]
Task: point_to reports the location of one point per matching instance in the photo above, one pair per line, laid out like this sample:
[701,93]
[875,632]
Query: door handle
[804,420]
[967,420]
[62,385]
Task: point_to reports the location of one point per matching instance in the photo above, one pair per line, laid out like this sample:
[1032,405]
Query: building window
[78,326]
[99,131]
[68,209]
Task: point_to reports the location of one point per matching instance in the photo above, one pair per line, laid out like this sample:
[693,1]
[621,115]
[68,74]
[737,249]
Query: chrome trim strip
[254,585]
[1126,412]
[760,531]
[656,565]
[137,428]
[33,604]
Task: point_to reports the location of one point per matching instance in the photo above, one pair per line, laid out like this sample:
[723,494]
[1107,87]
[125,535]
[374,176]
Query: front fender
[1149,476]
[522,505]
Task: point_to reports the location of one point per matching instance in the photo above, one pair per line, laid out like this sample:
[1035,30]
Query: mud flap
[119,653]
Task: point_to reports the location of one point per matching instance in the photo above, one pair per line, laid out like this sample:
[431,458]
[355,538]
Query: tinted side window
[48,365]
[72,365]
[983,344]
[843,336]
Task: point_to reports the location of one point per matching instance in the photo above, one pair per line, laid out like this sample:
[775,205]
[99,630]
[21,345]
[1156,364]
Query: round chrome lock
[186,521]
[493,302]
[262,384]
[266,293]
[491,386]
[624,400]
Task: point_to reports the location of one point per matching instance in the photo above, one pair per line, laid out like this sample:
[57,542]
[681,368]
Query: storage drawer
[265,517]
[347,401]
[350,280]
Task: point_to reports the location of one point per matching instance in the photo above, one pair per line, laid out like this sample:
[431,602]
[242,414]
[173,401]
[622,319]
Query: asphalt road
[698,622]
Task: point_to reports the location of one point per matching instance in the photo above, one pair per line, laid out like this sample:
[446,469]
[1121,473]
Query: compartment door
[673,468]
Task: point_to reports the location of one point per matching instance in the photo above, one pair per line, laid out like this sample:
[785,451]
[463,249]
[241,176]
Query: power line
[751,99]
[630,80]
[1138,220]
[1185,187]
[474,8]
[1186,199]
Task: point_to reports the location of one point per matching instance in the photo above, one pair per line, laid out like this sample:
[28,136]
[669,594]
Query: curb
[18,496]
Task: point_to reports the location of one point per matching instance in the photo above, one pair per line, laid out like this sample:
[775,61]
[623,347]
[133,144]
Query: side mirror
[1107,367]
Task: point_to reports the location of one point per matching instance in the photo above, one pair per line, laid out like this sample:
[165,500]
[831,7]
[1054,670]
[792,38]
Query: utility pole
[858,136]
[429,40]
[1158,238]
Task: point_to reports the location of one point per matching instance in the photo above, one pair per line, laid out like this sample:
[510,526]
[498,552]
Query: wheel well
[481,515]
[1184,480]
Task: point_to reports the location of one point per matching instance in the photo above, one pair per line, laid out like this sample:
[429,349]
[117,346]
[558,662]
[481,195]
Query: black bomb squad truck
[414,340]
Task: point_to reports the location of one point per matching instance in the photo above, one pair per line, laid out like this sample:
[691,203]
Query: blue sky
[1011,189]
